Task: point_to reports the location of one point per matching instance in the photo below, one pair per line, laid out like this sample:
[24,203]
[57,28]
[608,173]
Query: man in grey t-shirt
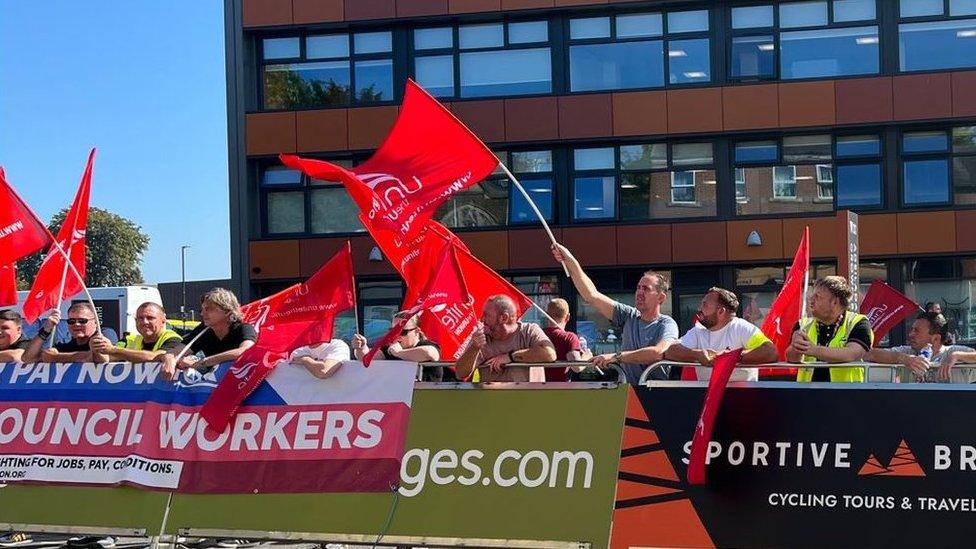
[646,333]
[929,328]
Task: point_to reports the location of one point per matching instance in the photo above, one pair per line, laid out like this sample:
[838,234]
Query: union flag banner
[885,307]
[721,372]
[785,310]
[21,232]
[8,285]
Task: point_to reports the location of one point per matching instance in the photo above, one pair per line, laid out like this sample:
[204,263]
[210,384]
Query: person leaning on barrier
[150,344]
[567,344]
[928,329]
[81,326]
[12,340]
[832,334]
[720,330]
[646,333]
[411,345]
[322,360]
[226,338]
[501,339]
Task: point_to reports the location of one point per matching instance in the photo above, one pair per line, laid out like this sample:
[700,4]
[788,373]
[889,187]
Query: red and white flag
[8,285]
[21,232]
[885,307]
[785,310]
[428,156]
[55,281]
[722,369]
[302,314]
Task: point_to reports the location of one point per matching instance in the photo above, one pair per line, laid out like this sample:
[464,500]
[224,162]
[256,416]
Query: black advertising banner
[795,465]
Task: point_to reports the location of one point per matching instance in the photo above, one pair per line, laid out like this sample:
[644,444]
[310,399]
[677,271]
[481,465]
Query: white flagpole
[533,206]
[64,276]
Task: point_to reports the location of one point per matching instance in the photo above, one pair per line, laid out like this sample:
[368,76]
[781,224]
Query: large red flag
[8,285]
[55,281]
[449,316]
[885,307]
[21,232]
[722,369]
[302,314]
[428,156]
[785,310]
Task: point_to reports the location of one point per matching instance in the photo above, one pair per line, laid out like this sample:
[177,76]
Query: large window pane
[858,145]
[532,31]
[688,21]
[591,27]
[508,72]
[593,197]
[333,211]
[964,180]
[926,182]
[807,148]
[958,300]
[962,7]
[854,10]
[481,205]
[593,159]
[918,8]
[858,185]
[373,42]
[616,66]
[643,157]
[374,80]
[641,24]
[431,39]
[937,45]
[541,192]
[964,139]
[306,85]
[436,74]
[752,17]
[286,212]
[784,189]
[281,48]
[481,36]
[829,52]
[919,142]
[691,154]
[802,14]
[667,195]
[328,46]
[753,57]
[689,61]
[756,151]
[532,162]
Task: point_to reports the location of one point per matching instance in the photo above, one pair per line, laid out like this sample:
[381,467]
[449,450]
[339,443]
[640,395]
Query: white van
[116,307]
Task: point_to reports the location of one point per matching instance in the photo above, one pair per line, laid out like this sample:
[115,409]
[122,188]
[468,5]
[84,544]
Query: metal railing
[892,368]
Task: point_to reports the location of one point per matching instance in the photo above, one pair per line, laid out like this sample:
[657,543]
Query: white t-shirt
[956,375]
[738,334]
[336,349]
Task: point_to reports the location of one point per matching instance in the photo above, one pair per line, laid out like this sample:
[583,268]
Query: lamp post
[183,281]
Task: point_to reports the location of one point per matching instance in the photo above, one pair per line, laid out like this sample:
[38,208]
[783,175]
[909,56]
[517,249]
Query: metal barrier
[892,368]
[581,366]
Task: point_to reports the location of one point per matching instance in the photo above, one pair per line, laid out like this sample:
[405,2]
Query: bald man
[150,345]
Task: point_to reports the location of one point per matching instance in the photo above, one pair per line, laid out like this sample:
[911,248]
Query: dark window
[939,167]
[947,42]
[859,177]
[297,204]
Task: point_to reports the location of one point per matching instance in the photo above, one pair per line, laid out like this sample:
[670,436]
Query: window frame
[306,187]
[943,17]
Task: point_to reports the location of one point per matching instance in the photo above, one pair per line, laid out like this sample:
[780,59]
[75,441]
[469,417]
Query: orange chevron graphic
[902,464]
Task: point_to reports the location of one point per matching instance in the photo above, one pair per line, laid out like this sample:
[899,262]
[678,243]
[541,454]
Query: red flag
[785,310]
[449,316]
[428,156]
[299,315]
[54,274]
[722,369]
[885,307]
[8,285]
[21,232]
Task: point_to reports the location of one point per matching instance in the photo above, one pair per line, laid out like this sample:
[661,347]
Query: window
[494,59]
[540,289]
[628,51]
[789,175]
[380,300]
[653,181]
[952,284]
[495,202]
[297,204]
[939,167]
[818,39]
[858,168]
[944,40]
[329,70]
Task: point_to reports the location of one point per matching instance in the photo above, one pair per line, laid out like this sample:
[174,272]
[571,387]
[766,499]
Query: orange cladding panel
[491,247]
[262,13]
[530,249]
[324,130]
[964,93]
[370,9]
[966,230]
[531,119]
[413,8]
[592,245]
[806,104]
[823,236]
[770,232]
[274,259]
[877,234]
[317,11]
[368,126]
[473,6]
[926,232]
[750,107]
[695,110]
[640,113]
[643,244]
[922,96]
[863,100]
[699,242]
[589,115]
[270,133]
[525,4]
[485,118]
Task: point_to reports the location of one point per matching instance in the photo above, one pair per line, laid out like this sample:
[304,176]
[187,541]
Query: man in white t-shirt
[720,330]
[929,328]
[322,360]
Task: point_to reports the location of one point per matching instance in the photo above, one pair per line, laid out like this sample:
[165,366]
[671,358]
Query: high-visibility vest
[839,341]
[135,341]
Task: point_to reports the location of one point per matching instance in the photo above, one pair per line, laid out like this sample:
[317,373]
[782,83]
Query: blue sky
[145,83]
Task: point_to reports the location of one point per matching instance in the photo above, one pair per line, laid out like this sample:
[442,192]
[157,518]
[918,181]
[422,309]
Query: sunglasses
[73,321]
[406,331]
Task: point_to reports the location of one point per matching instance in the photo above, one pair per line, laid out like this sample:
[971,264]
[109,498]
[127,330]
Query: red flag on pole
[52,283]
[785,310]
[302,314]
[21,232]
[8,285]
[885,307]
[722,369]
[428,156]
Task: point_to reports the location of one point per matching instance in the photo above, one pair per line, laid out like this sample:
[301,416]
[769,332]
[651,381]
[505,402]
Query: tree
[115,247]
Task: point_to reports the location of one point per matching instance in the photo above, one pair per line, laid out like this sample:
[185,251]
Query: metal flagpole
[81,279]
[533,206]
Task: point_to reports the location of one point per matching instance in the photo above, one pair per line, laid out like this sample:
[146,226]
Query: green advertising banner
[516,464]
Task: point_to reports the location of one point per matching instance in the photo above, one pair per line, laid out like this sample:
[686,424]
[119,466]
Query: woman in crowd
[412,345]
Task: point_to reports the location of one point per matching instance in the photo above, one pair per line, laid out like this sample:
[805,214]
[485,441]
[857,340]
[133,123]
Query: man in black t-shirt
[12,341]
[224,336]
[81,325]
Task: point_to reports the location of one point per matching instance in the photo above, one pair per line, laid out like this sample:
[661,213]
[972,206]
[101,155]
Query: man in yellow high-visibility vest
[832,334]
[150,344]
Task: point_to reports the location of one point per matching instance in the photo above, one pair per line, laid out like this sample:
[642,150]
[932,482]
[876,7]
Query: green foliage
[115,247]
[287,89]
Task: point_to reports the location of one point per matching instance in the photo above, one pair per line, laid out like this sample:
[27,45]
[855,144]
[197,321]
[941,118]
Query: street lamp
[183,283]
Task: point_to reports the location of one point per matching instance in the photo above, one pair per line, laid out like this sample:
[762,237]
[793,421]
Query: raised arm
[584,285]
